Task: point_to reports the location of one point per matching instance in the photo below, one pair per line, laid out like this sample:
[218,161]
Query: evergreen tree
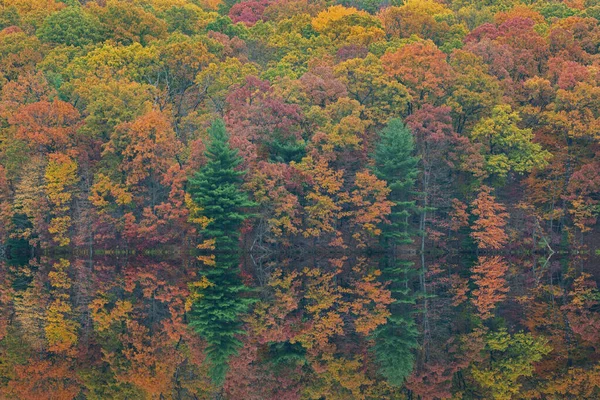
[216,189]
[395,164]
[395,341]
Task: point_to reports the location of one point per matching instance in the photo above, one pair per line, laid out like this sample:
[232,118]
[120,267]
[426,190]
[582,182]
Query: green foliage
[394,345]
[286,353]
[509,147]
[593,12]
[72,27]
[371,6]
[223,24]
[181,19]
[216,189]
[215,314]
[556,10]
[101,384]
[9,16]
[283,150]
[394,162]
[396,341]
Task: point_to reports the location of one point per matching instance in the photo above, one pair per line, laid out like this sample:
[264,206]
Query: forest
[299,199]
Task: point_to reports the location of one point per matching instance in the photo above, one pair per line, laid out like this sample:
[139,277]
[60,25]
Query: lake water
[299,326]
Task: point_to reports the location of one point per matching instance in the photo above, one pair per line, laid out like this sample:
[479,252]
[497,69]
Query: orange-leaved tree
[488,228]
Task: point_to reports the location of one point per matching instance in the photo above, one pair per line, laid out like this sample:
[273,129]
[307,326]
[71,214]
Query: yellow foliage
[61,331]
[334,13]
[195,213]
[34,10]
[59,227]
[584,213]
[208,260]
[210,4]
[196,289]
[208,244]
[340,23]
[61,172]
[61,176]
[104,192]
[58,277]
[103,319]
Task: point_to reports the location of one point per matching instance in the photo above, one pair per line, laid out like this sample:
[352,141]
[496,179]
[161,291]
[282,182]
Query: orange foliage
[51,125]
[489,277]
[422,68]
[488,228]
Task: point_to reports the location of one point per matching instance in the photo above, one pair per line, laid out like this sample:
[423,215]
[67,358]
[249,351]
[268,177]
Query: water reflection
[217,303]
[396,340]
[318,327]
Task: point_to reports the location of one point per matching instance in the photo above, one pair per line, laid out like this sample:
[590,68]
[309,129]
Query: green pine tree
[395,164]
[216,189]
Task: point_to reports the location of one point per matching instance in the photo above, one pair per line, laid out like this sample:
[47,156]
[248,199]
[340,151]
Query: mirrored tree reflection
[292,327]
[395,341]
[218,301]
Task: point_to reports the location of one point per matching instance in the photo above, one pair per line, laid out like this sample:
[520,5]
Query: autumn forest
[299,199]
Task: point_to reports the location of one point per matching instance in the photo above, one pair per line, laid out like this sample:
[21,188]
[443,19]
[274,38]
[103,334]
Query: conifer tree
[216,189]
[396,340]
[395,164]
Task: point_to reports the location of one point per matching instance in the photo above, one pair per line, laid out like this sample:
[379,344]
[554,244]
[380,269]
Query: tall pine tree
[395,341]
[216,189]
[395,164]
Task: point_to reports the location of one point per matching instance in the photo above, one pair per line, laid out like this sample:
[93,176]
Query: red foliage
[254,115]
[249,12]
